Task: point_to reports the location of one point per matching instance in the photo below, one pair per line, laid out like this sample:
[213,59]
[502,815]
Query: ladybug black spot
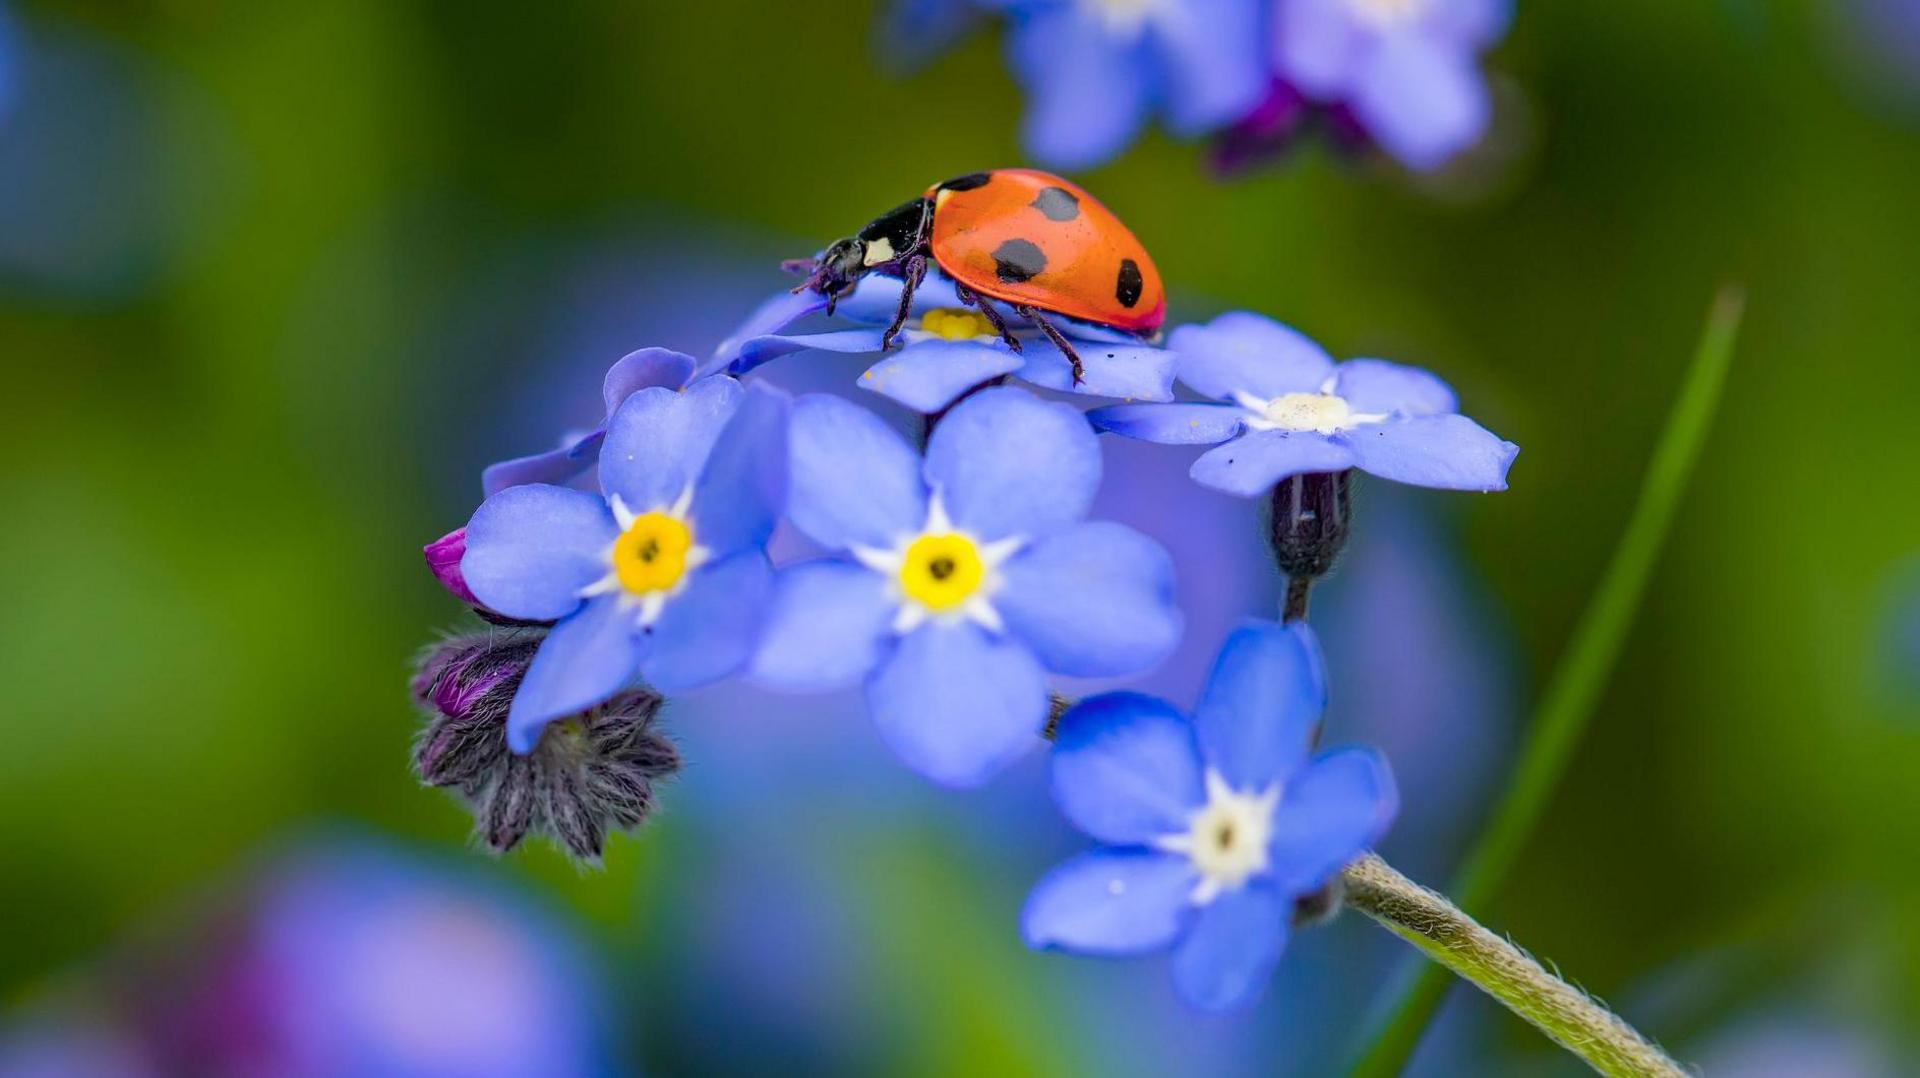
[1058,203]
[1128,288]
[1019,260]
[966,183]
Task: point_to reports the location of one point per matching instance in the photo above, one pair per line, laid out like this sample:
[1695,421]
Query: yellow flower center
[941,572]
[956,324]
[651,555]
[1323,412]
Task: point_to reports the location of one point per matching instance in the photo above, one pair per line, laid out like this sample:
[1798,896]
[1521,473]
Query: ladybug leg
[1059,340]
[974,299]
[911,274]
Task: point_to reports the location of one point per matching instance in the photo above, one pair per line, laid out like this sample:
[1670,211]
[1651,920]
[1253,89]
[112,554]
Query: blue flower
[1294,411]
[962,579]
[631,373]
[665,576]
[949,347]
[1406,70]
[1214,825]
[1094,69]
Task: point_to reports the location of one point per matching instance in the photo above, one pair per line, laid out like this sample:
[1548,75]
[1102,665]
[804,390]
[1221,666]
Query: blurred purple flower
[912,32]
[665,575]
[1216,824]
[962,579]
[1295,411]
[353,959]
[1094,69]
[633,372]
[949,347]
[1407,71]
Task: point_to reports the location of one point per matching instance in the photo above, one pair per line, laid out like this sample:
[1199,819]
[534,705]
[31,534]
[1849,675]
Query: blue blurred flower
[1094,69]
[666,575]
[1295,411]
[631,373]
[1406,70]
[949,347]
[963,579]
[1215,825]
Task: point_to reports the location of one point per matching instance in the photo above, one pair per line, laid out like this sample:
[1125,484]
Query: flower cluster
[951,582]
[1402,75]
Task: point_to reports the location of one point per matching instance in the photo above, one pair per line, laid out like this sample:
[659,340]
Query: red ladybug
[1028,239]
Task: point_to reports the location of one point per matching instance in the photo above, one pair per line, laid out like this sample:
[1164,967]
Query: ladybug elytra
[1031,240]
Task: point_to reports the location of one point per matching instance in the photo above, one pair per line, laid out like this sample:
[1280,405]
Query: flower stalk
[1445,934]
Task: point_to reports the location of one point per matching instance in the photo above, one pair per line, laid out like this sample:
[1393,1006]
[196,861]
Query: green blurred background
[293,273]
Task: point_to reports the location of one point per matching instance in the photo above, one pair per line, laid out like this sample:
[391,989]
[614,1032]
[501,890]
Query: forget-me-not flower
[1288,409]
[1213,825]
[960,580]
[1407,71]
[631,373]
[665,576]
[1095,69]
[947,347]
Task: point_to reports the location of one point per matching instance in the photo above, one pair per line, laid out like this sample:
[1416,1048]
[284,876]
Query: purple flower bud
[443,559]
[587,773]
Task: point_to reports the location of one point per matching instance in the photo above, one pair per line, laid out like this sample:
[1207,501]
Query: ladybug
[1028,239]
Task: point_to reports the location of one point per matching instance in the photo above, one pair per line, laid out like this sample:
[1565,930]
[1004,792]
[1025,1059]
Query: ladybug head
[836,271]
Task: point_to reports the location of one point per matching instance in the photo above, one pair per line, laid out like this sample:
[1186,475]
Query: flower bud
[589,772]
[443,560]
[1309,521]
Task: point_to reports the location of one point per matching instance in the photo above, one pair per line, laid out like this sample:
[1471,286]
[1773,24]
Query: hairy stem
[1574,1020]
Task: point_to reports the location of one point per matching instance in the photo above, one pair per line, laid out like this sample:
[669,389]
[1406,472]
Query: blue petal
[530,550]
[756,351]
[1318,46]
[926,376]
[1109,902]
[774,314]
[644,369]
[553,466]
[1170,424]
[1213,56]
[854,481]
[1333,810]
[1377,386]
[1240,352]
[1422,101]
[1007,463]
[708,631]
[1450,452]
[1130,371]
[743,487]
[1095,600]
[876,299]
[659,439]
[585,659]
[829,624]
[957,705]
[1087,93]
[1126,768]
[1251,464]
[1229,953]
[1265,696]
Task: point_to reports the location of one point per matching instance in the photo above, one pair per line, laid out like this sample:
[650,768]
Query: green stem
[1457,942]
[1582,673]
